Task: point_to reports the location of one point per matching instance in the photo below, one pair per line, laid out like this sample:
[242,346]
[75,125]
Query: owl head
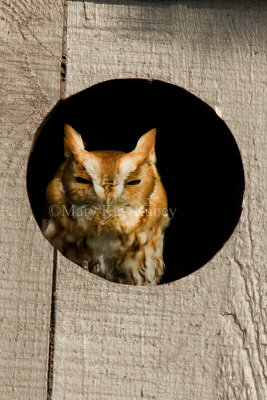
[109,178]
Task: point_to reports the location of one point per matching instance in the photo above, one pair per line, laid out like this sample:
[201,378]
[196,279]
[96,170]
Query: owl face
[109,179]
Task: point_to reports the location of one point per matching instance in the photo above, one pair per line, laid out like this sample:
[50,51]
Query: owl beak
[107,205]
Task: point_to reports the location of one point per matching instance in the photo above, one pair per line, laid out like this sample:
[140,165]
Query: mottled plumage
[107,210]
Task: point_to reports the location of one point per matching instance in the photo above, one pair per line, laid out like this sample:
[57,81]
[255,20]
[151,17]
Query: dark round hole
[198,159]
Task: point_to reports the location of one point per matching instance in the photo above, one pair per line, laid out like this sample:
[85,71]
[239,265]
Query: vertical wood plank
[203,336]
[30,56]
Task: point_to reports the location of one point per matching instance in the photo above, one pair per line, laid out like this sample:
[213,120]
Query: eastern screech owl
[107,210]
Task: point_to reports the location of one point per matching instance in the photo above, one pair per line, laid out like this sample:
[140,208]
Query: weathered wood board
[30,54]
[203,337]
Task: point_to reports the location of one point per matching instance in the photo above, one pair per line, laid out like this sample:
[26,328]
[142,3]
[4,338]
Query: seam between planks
[52,329]
[64,52]
[62,91]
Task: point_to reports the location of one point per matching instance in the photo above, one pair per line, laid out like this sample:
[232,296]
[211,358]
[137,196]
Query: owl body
[107,210]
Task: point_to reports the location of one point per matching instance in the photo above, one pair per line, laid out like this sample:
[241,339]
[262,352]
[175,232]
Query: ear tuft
[73,142]
[146,144]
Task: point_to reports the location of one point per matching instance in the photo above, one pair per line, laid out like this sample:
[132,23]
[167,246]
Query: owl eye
[135,182]
[82,180]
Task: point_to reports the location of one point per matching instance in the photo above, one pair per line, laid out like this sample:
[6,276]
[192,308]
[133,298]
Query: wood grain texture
[203,337]
[30,56]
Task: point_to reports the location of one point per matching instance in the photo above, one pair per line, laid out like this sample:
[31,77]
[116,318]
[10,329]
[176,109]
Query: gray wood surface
[203,337]
[30,54]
